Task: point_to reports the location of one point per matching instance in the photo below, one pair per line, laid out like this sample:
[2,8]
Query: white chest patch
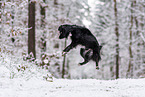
[70,34]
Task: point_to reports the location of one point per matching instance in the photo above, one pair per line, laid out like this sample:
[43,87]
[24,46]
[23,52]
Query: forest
[30,47]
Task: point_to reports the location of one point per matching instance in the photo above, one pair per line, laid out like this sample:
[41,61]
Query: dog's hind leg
[86,54]
[82,52]
[97,67]
[85,61]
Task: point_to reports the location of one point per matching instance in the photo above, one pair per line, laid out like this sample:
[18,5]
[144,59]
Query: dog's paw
[64,53]
[80,64]
[97,67]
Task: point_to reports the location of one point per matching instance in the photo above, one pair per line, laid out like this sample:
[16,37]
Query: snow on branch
[142,37]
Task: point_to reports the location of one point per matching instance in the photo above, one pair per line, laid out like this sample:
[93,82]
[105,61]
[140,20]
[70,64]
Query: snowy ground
[72,88]
[31,83]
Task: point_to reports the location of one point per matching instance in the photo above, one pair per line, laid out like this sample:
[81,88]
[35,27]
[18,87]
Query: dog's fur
[81,36]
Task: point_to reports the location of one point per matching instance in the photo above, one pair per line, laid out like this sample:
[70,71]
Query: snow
[34,87]
[37,82]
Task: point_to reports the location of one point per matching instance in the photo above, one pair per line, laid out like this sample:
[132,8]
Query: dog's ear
[65,31]
[68,28]
[100,47]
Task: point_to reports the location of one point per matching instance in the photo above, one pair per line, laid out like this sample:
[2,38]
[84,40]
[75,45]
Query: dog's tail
[96,56]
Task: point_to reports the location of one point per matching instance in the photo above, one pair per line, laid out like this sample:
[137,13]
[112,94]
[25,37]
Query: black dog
[81,36]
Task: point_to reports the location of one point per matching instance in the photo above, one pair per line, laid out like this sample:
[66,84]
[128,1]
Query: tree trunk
[140,52]
[130,65]
[55,2]
[0,17]
[117,39]
[112,71]
[42,11]
[64,61]
[31,26]
[64,58]
[12,21]
[0,22]
[43,23]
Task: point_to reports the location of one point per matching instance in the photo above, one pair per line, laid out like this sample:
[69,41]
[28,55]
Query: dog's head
[64,31]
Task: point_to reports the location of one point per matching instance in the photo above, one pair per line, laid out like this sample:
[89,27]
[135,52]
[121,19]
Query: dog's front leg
[68,48]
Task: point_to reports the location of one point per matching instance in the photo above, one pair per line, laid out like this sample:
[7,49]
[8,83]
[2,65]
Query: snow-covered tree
[130,25]
[101,20]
